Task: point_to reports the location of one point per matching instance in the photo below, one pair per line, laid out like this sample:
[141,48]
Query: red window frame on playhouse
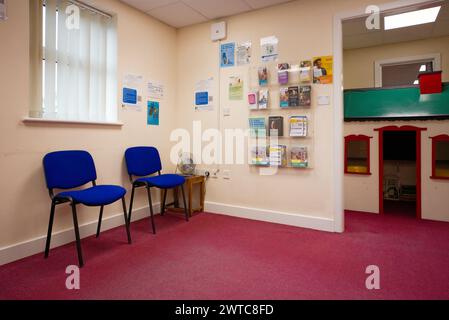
[363,138]
[435,140]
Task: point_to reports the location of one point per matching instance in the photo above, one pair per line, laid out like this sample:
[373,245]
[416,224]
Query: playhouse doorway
[400,170]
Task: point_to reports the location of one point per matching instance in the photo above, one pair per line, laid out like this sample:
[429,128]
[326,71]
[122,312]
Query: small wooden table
[190,182]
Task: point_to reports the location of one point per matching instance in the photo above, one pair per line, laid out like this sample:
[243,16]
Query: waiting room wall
[143,43]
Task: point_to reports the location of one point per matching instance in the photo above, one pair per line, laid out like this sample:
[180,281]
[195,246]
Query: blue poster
[227,55]
[129,96]
[153,113]
[201,98]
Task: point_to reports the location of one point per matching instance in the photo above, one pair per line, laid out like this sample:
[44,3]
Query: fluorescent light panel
[412,18]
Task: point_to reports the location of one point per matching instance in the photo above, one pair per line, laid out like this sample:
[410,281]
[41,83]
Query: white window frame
[35,109]
[379,64]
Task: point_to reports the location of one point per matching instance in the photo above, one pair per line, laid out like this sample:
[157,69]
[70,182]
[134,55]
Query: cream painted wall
[359,63]
[144,44]
[304,29]
[362,192]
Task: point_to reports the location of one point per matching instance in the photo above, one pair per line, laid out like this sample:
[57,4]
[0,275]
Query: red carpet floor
[219,257]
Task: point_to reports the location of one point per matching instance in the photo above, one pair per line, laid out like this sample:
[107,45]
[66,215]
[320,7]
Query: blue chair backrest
[69,169]
[142,161]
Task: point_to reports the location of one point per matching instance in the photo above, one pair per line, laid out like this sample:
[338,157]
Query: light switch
[324,100]
[226,112]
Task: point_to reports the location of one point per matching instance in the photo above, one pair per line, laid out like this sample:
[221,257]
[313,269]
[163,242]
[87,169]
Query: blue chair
[143,163]
[73,169]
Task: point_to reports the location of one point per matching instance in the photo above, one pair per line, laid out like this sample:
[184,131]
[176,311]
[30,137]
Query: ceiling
[182,13]
[356,35]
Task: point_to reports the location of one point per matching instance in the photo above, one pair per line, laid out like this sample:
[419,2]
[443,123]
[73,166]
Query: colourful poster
[227,55]
[235,88]
[323,70]
[153,113]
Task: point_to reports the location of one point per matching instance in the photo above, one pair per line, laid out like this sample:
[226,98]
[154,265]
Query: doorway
[400,171]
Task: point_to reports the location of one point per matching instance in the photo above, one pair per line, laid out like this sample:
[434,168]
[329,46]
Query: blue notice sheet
[129,96]
[202,98]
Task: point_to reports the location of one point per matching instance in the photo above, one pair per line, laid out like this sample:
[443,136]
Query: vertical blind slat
[50,58]
[82,88]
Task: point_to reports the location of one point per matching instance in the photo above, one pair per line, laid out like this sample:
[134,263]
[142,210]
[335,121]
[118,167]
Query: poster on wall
[129,96]
[323,70]
[227,55]
[153,113]
[203,97]
[243,53]
[269,49]
[155,90]
[235,88]
[131,92]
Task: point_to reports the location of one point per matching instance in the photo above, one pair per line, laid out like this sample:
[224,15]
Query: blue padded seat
[95,196]
[165,181]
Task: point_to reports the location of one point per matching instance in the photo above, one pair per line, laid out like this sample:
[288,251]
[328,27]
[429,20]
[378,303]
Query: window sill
[359,173]
[439,178]
[75,122]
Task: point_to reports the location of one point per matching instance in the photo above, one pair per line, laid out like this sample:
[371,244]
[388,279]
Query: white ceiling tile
[147,5]
[355,27]
[356,35]
[441,28]
[408,34]
[362,40]
[257,4]
[218,9]
[177,15]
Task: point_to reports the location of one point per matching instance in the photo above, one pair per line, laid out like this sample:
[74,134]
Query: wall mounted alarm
[218,31]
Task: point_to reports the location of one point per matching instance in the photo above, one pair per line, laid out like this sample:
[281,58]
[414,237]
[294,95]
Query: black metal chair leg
[185,204]
[163,202]
[77,236]
[50,227]
[151,209]
[126,220]
[131,206]
[99,221]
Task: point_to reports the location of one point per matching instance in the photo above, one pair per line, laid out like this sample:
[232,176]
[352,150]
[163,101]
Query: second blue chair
[143,163]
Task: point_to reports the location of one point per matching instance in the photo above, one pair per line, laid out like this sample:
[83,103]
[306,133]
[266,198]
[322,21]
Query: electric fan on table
[186,165]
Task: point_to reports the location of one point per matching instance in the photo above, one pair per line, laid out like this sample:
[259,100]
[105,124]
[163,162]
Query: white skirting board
[60,238]
[286,218]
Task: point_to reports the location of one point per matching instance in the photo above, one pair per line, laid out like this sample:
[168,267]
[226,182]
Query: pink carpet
[219,257]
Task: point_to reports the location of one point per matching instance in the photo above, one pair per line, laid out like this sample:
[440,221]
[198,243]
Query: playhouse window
[357,154]
[440,157]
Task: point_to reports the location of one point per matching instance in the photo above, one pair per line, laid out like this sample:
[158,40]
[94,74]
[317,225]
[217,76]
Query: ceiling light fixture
[412,18]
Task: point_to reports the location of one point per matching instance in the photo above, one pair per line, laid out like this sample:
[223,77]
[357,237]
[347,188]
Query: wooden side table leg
[189,190]
[203,195]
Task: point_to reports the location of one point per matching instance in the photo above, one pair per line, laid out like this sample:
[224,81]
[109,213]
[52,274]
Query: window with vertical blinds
[75,66]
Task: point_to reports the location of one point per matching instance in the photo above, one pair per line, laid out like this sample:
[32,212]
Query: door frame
[337,173]
[418,131]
